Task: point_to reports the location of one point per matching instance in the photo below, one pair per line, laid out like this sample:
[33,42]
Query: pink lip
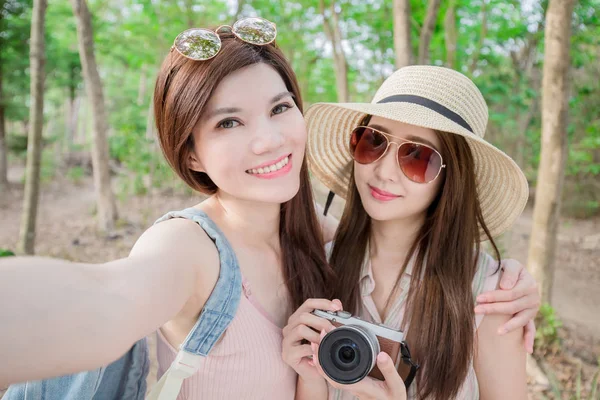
[382,195]
[276,174]
[268,163]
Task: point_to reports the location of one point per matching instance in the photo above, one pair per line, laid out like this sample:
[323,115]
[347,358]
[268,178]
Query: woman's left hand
[392,388]
[519,296]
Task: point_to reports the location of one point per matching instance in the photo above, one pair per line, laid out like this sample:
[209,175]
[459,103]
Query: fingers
[315,352]
[338,303]
[519,320]
[299,352]
[529,336]
[393,381]
[512,272]
[299,333]
[500,295]
[527,303]
[300,315]
[310,320]
[321,304]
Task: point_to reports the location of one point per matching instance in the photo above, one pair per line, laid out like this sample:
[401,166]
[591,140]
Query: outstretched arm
[60,317]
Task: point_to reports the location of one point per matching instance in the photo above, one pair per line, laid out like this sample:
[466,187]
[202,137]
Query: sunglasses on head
[203,44]
[419,162]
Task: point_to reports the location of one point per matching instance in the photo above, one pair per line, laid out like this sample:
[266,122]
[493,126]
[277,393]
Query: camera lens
[344,354]
[347,354]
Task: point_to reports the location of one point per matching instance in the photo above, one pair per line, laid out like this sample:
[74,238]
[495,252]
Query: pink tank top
[245,364]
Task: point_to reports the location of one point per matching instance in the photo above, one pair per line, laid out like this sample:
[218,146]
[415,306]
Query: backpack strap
[217,314]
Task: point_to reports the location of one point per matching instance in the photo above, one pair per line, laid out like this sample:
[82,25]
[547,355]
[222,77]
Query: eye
[281,108]
[228,124]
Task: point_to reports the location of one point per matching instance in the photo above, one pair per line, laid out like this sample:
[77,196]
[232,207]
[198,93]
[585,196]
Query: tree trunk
[72,111]
[450,35]
[190,13]
[107,210]
[427,31]
[3,146]
[334,34]
[482,36]
[37,59]
[402,44]
[238,11]
[554,135]
[142,87]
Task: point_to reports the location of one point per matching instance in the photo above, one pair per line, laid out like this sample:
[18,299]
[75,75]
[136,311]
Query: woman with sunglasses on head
[423,189]
[229,117]
[219,279]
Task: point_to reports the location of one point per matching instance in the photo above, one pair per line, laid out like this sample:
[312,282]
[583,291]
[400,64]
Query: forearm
[313,390]
[60,317]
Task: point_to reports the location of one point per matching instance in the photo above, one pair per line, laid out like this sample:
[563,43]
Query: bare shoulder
[179,241]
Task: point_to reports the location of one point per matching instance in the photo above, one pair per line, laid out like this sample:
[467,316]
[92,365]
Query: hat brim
[501,185]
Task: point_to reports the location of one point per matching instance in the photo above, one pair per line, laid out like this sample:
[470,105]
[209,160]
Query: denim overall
[125,379]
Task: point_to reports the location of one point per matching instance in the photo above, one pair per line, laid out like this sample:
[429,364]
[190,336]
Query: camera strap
[407,359]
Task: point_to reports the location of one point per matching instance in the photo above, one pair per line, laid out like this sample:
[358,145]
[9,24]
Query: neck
[257,222]
[390,241]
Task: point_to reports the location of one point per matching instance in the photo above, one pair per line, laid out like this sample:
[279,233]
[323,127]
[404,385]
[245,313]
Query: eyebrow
[281,96]
[417,139]
[233,110]
[222,110]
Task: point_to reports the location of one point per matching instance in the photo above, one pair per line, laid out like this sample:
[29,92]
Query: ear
[194,164]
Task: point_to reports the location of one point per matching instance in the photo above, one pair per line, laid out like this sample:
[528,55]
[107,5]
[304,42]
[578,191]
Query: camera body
[349,353]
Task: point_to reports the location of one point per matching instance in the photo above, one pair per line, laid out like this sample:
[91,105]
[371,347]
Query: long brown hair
[183,88]
[439,309]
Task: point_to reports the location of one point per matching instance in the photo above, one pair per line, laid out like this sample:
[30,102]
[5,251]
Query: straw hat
[432,97]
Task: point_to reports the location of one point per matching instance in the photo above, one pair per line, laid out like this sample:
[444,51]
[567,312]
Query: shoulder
[179,240]
[487,275]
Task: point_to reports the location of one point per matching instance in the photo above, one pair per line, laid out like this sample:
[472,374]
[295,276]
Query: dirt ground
[66,230]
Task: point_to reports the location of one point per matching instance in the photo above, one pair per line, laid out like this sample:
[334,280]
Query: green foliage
[16,143]
[560,393]
[76,174]
[131,37]
[6,253]
[547,327]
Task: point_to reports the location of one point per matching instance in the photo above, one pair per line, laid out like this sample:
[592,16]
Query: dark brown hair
[183,88]
[439,309]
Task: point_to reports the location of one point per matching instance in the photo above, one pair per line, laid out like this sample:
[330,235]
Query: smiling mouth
[270,168]
[382,194]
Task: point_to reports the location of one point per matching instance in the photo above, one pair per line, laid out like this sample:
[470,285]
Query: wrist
[311,379]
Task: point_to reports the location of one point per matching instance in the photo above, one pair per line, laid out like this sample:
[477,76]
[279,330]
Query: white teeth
[270,168]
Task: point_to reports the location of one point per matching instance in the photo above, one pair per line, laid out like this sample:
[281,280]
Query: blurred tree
[107,209]
[555,107]
[36,117]
[402,43]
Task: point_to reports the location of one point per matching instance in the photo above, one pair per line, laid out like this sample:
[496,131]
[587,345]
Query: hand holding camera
[303,328]
[349,353]
[391,388]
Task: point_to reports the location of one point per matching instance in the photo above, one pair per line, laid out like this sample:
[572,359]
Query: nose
[267,138]
[387,167]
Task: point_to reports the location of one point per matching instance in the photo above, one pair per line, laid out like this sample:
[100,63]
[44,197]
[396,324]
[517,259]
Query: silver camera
[349,353]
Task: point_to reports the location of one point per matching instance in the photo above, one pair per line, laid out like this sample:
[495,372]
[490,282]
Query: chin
[378,212]
[277,193]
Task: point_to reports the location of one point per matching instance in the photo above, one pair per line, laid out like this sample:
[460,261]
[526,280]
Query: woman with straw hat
[423,189]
